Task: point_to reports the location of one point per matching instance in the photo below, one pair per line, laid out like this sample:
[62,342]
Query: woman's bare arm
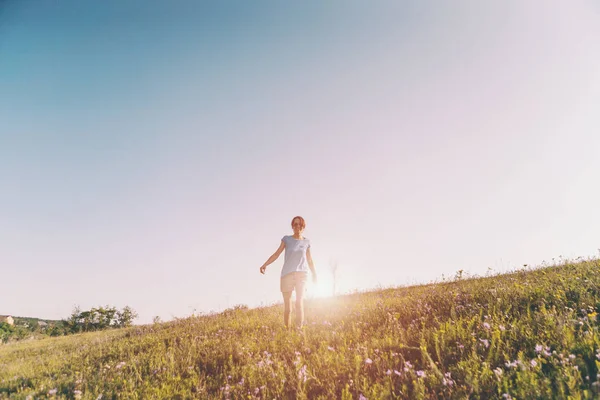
[311,264]
[273,257]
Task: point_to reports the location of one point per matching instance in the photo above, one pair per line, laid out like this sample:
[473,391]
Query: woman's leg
[299,309]
[300,289]
[287,299]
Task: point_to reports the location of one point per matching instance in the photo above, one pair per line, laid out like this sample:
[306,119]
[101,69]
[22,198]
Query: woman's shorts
[294,281]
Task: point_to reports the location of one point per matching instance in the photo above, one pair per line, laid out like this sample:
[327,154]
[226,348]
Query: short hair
[302,222]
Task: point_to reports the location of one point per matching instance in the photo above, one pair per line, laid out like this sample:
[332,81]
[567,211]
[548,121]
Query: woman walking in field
[294,273]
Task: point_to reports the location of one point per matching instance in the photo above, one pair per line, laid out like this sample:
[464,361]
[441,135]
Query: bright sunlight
[323,287]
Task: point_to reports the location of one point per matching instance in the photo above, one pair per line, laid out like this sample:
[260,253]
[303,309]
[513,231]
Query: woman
[294,273]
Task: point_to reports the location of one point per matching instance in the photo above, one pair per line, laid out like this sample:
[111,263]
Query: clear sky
[153,153]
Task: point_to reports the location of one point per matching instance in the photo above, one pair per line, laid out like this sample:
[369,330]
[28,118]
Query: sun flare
[323,287]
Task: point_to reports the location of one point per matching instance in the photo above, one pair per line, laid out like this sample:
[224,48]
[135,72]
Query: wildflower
[486,325]
[533,363]
[368,361]
[421,374]
[361,397]
[297,353]
[52,392]
[512,364]
[572,356]
[388,372]
[546,353]
[507,396]
[498,372]
[120,365]
[241,382]
[502,328]
[408,364]
[397,373]
[485,342]
[330,348]
[538,348]
[302,374]
[261,364]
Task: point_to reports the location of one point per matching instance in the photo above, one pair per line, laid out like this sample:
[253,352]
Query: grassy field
[525,335]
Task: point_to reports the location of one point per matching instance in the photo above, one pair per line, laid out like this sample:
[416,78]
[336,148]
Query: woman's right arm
[273,257]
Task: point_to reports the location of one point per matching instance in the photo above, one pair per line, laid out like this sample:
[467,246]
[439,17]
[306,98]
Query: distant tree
[98,318]
[125,317]
[156,320]
[333,264]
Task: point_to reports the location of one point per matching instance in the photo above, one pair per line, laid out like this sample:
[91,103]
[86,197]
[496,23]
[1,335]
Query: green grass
[525,335]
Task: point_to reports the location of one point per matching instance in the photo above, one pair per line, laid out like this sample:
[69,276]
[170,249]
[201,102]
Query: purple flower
[421,374]
[303,374]
[533,363]
[368,361]
[486,325]
[538,348]
[546,352]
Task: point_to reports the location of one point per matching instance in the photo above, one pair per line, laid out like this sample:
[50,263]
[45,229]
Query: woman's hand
[263,269]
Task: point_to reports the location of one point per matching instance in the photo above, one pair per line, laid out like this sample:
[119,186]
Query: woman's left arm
[311,264]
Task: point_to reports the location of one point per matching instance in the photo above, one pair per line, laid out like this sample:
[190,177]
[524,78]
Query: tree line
[95,319]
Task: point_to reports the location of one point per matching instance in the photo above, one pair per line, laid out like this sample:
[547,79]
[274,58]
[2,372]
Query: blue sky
[153,154]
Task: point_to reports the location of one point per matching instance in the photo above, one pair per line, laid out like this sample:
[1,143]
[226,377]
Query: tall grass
[525,335]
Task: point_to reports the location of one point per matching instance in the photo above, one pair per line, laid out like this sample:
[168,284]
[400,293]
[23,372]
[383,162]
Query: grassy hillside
[530,334]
